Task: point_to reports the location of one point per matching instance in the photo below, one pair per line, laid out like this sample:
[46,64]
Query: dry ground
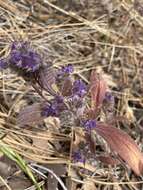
[102,34]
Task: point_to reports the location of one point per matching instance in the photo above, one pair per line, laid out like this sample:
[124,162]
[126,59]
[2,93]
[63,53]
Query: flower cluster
[89,124]
[78,157]
[109,96]
[3,64]
[79,88]
[23,57]
[53,108]
[65,71]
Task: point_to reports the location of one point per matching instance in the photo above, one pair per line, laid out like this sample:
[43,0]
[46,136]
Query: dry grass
[107,35]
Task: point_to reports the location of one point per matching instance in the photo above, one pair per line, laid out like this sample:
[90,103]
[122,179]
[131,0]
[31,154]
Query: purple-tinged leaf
[123,145]
[98,89]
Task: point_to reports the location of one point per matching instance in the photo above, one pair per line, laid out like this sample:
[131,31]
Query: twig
[4,182]
[47,170]
[33,186]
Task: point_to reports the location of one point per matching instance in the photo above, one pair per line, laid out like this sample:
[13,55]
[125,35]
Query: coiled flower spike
[23,57]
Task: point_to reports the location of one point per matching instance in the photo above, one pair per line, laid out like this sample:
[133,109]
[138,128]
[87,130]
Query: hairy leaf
[123,145]
[47,79]
[30,115]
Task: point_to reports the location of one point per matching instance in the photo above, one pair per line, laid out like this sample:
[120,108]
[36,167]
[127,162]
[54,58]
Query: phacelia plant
[74,103]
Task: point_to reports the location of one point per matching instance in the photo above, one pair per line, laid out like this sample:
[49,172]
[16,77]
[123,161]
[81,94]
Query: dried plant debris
[18,183]
[7,167]
[71,93]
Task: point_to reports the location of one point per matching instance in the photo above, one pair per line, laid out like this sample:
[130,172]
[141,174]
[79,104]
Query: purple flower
[79,88]
[49,110]
[89,124]
[14,45]
[109,97]
[15,58]
[59,99]
[64,71]
[23,57]
[31,61]
[109,102]
[54,108]
[19,45]
[78,157]
[67,69]
[3,64]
